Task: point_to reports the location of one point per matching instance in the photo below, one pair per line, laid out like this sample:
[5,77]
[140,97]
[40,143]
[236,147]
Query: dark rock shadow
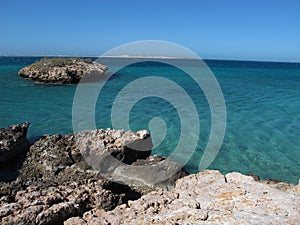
[9,171]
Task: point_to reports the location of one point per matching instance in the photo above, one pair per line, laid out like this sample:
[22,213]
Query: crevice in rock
[225,179]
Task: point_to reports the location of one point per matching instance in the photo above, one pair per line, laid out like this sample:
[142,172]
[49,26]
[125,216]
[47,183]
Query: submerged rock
[61,70]
[13,142]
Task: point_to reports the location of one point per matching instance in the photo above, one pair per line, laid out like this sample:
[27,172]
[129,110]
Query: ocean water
[262,103]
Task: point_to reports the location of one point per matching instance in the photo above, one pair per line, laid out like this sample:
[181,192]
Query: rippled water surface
[262,101]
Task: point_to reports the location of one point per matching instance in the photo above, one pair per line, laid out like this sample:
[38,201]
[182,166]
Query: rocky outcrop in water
[61,70]
[13,142]
[205,198]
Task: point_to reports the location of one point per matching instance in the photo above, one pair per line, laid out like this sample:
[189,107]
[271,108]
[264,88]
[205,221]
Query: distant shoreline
[154,57]
[146,57]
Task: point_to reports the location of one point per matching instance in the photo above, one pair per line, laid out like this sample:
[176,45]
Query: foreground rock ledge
[61,70]
[54,201]
[55,182]
[122,156]
[205,198]
[57,186]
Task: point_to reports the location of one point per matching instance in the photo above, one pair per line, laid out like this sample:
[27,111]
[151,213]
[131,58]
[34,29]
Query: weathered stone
[100,150]
[62,70]
[109,152]
[9,209]
[287,187]
[107,149]
[54,201]
[13,142]
[56,183]
[57,213]
[75,221]
[25,217]
[155,172]
[207,198]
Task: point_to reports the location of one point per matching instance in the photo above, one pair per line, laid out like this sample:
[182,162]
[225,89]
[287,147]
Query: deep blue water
[262,102]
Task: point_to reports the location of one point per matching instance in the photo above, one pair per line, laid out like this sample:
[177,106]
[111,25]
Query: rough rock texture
[61,70]
[13,142]
[107,149]
[99,150]
[206,198]
[62,176]
[155,172]
[118,155]
[61,182]
[54,201]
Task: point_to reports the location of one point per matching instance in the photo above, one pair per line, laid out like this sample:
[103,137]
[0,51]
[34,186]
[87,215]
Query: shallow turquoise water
[262,101]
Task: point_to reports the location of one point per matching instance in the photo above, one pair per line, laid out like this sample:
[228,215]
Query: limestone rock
[287,187]
[13,142]
[54,201]
[107,149]
[207,198]
[61,70]
[62,177]
[155,172]
[57,213]
[99,151]
[118,155]
[75,221]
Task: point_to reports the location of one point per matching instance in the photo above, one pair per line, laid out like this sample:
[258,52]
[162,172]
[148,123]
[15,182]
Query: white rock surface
[207,198]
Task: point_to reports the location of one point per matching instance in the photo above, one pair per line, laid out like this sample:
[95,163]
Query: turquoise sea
[262,101]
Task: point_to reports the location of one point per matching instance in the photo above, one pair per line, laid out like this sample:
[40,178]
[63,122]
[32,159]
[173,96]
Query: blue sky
[251,30]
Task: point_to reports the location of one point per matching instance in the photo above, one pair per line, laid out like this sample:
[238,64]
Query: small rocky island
[56,185]
[61,70]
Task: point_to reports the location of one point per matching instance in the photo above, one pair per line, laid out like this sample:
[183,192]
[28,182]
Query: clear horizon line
[145,56]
